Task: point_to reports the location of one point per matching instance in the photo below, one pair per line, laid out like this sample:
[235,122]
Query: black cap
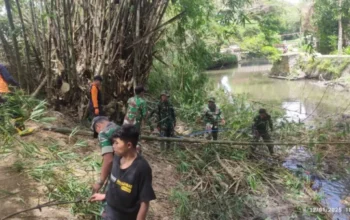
[98,78]
[96,120]
[139,89]
[262,111]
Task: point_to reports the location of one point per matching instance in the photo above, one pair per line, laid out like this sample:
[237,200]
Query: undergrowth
[218,181]
[333,67]
[60,168]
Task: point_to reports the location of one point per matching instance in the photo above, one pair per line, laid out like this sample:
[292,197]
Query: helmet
[164,93]
[262,111]
[211,99]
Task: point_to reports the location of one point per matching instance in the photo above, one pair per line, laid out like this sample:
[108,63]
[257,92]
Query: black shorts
[112,214]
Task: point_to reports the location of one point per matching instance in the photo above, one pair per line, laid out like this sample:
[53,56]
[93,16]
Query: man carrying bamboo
[104,129]
[261,126]
[212,116]
[137,111]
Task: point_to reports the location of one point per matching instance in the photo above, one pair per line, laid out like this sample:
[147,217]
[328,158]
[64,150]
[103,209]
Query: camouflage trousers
[166,130]
[266,138]
[211,131]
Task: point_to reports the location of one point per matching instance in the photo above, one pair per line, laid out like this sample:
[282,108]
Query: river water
[302,101]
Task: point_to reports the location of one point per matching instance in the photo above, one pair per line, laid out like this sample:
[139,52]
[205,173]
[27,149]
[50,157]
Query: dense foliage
[326,16]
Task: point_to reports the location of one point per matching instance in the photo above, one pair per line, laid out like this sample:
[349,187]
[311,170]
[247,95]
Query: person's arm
[107,154]
[149,120]
[144,110]
[106,166]
[222,117]
[144,113]
[173,115]
[105,171]
[94,95]
[204,112]
[143,211]
[270,123]
[7,76]
[159,116]
[254,126]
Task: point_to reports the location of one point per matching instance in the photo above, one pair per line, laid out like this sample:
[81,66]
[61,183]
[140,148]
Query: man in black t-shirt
[130,189]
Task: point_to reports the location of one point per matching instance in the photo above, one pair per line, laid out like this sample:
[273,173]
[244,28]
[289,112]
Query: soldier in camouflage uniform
[166,118]
[103,130]
[260,129]
[137,111]
[212,116]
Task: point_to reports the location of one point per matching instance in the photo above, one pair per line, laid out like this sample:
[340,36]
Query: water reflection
[225,84]
[301,161]
[299,99]
[295,111]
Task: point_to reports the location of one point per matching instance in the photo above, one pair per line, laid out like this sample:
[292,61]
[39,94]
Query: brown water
[302,101]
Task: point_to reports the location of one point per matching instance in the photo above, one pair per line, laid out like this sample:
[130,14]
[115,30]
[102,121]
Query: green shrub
[222,60]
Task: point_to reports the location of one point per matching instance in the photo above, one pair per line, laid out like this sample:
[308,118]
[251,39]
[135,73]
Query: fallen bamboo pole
[199,141]
[211,170]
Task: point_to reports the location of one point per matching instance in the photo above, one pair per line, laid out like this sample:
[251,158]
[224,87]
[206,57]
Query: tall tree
[14,40]
[340,29]
[26,44]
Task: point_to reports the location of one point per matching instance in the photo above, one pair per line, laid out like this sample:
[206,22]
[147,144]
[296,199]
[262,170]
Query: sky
[293,1]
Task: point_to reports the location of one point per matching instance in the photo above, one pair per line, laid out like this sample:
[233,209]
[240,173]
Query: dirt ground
[18,191]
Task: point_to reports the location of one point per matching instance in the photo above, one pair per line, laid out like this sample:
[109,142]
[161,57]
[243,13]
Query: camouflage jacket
[165,113]
[212,117]
[261,125]
[137,111]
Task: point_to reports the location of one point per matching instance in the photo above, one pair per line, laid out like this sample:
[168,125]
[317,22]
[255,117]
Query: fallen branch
[211,170]
[41,85]
[68,131]
[200,141]
[225,168]
[40,206]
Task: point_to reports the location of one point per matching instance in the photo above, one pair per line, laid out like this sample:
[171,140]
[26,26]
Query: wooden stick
[212,171]
[40,206]
[36,92]
[226,168]
[200,141]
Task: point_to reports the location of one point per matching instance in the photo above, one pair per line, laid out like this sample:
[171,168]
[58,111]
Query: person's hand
[223,122]
[97,197]
[96,187]
[97,111]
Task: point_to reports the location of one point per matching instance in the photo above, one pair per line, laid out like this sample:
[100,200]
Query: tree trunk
[26,44]
[34,25]
[340,29]
[7,49]
[14,41]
